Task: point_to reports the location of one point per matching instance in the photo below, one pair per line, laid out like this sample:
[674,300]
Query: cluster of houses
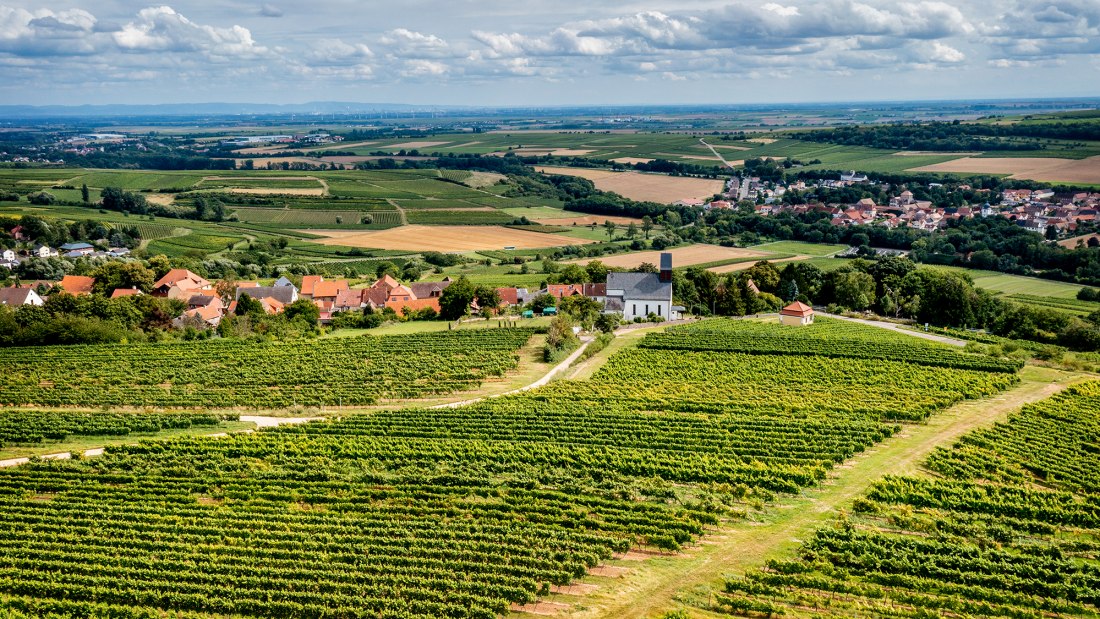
[634,295]
[10,258]
[1035,210]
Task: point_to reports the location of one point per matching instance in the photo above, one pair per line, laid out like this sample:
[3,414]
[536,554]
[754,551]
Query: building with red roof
[797,314]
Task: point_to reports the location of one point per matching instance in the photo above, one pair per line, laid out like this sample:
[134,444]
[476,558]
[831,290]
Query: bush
[1088,294]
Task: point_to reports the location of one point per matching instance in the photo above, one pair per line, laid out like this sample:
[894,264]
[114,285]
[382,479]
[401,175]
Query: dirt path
[400,211]
[546,378]
[901,329]
[683,580]
[716,153]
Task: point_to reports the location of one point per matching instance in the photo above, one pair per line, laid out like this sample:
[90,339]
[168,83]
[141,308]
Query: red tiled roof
[125,292]
[329,289]
[797,308]
[77,284]
[309,282]
[508,296]
[414,304]
[183,278]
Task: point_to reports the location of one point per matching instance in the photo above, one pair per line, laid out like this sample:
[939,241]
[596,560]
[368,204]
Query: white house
[15,297]
[43,251]
[9,255]
[642,294]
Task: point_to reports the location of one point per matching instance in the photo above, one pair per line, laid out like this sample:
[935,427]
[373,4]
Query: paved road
[895,327]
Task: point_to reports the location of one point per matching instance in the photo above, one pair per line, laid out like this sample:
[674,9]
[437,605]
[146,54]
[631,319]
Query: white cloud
[44,32]
[163,29]
[406,43]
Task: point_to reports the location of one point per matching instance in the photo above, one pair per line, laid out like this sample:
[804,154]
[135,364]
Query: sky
[533,53]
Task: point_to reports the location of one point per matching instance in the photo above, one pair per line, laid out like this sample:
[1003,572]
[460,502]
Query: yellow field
[646,187]
[1050,169]
[681,256]
[445,238]
[741,266]
[631,160]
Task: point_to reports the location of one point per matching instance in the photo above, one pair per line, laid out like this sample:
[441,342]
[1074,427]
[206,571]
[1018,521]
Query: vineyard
[343,371]
[825,337]
[1007,528]
[25,427]
[409,514]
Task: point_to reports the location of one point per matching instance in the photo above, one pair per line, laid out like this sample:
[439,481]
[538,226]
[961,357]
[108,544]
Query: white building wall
[641,308]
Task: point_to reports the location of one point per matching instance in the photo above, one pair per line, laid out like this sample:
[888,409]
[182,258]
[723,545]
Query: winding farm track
[716,153]
[950,341]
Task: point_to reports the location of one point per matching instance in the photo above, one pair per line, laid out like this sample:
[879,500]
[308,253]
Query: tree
[487,298]
[114,274]
[572,274]
[302,309]
[84,195]
[454,302]
[647,226]
[607,322]
[597,272]
[791,293]
[582,309]
[541,302]
[631,230]
[854,290]
[385,268]
[764,275]
[610,227]
[247,306]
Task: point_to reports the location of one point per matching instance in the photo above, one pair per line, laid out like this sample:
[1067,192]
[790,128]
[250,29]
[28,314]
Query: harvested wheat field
[444,238]
[587,220]
[631,160]
[1079,240]
[647,187]
[163,199]
[681,256]
[1050,169]
[741,266]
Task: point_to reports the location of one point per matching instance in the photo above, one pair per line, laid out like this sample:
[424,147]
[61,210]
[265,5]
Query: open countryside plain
[644,187]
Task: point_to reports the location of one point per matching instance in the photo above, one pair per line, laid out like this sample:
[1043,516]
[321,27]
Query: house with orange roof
[77,284]
[797,314]
[309,282]
[325,293]
[210,315]
[125,292]
[413,305]
[177,283]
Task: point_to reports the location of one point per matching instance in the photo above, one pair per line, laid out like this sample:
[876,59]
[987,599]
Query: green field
[800,248]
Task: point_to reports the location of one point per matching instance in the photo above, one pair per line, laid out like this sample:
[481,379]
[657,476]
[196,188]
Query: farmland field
[1050,169]
[681,256]
[646,187]
[445,238]
[465,512]
[242,374]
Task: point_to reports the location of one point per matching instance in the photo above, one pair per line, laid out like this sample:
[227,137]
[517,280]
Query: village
[1036,210]
[630,295]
